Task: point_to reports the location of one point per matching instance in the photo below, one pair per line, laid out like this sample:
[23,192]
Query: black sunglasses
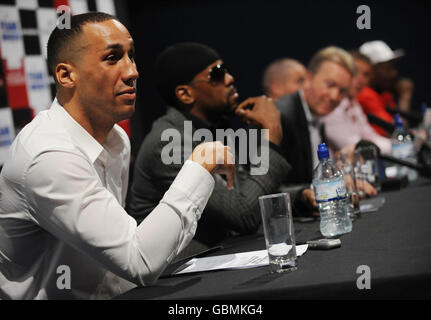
[216,74]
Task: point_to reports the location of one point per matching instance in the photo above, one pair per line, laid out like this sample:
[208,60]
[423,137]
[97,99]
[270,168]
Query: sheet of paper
[243,260]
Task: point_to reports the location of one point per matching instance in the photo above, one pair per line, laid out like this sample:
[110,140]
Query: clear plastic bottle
[331,197]
[426,123]
[421,135]
[403,148]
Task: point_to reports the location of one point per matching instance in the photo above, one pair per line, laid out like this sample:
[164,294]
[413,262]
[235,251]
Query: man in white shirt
[348,124]
[63,230]
[327,81]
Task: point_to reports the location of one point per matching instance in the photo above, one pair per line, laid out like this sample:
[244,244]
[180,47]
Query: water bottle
[421,135]
[426,123]
[331,196]
[403,148]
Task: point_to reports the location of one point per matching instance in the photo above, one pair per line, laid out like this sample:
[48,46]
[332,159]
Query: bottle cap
[322,152]
[424,107]
[398,121]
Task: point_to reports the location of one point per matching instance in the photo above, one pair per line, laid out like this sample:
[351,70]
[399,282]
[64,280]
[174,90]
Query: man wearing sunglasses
[64,233]
[193,80]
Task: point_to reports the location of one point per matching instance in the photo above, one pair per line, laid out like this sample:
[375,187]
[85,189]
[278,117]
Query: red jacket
[374,103]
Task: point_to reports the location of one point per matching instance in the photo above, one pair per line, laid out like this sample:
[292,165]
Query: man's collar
[81,137]
[346,104]
[307,111]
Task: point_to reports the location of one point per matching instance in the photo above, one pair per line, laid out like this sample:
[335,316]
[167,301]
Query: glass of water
[279,233]
[345,163]
[367,165]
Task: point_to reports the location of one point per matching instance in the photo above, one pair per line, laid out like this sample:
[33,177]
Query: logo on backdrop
[5,137]
[9,30]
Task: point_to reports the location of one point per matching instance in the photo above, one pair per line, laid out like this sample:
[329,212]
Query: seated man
[318,97]
[347,124]
[282,77]
[193,80]
[327,82]
[63,229]
[384,83]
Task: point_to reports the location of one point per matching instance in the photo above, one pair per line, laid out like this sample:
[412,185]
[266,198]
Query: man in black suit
[327,82]
[191,77]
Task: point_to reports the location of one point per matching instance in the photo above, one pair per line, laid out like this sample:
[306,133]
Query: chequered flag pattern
[26,86]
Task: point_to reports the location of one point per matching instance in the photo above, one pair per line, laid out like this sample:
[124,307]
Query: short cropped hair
[360,56]
[336,55]
[60,40]
[277,71]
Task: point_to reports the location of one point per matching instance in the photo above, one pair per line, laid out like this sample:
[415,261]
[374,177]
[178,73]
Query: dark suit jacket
[296,142]
[236,210]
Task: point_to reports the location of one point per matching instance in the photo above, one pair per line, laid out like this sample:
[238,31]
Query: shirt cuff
[195,182]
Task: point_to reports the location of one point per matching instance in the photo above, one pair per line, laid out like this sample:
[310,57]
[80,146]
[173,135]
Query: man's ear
[184,94]
[276,89]
[307,79]
[65,75]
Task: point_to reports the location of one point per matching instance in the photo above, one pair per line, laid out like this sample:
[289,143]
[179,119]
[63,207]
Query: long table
[392,247]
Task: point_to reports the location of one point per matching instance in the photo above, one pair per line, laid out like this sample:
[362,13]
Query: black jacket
[237,210]
[296,144]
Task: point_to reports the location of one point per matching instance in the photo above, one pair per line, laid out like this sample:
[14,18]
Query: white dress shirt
[61,209]
[314,127]
[348,124]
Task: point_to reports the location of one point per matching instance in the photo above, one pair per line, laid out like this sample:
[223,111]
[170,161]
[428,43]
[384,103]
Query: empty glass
[345,163]
[367,166]
[279,233]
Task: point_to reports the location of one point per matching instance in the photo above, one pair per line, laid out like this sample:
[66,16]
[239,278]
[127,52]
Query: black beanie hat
[179,64]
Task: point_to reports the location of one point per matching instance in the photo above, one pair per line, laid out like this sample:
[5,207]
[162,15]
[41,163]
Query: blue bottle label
[330,191]
[402,150]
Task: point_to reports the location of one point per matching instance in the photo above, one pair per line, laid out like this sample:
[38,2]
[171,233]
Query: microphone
[387,126]
[412,117]
[424,167]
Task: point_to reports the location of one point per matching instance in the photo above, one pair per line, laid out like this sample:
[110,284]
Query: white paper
[7,133]
[243,260]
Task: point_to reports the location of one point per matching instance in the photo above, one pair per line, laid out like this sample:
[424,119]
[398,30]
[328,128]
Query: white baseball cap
[378,51]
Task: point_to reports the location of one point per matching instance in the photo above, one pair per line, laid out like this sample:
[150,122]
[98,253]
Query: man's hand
[262,111]
[216,158]
[347,153]
[366,187]
[404,88]
[309,198]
